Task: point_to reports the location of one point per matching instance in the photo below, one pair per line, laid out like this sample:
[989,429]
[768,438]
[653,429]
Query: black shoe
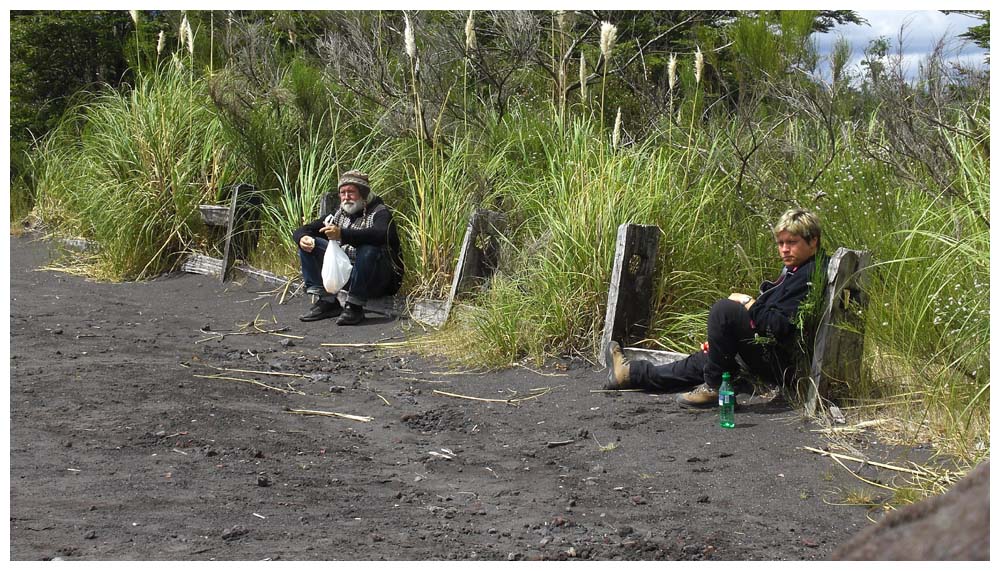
[322,310]
[353,315]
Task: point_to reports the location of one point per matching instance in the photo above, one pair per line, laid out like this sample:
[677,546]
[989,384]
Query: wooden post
[839,344]
[630,296]
[480,252]
[243,230]
[477,261]
[329,204]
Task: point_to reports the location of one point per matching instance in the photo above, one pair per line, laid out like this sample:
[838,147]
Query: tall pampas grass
[699,64]
[672,72]
[410,45]
[409,42]
[583,78]
[616,133]
[608,35]
[135,20]
[470,34]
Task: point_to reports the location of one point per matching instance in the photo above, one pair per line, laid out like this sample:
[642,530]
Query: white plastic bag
[336,267]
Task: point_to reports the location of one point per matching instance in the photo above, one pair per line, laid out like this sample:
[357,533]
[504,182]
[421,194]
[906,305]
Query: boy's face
[795,250]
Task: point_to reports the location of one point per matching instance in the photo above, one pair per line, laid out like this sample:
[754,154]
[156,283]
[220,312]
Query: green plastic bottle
[727,402]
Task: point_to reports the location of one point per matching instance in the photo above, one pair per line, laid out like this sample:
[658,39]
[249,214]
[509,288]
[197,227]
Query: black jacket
[774,313]
[380,232]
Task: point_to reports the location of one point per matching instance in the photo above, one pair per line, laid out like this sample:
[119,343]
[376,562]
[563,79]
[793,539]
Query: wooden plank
[480,252]
[214,215]
[838,348]
[653,356]
[81,244]
[630,295]
[477,261]
[203,265]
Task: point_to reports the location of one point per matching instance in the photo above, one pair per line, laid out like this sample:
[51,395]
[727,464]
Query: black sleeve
[311,229]
[775,317]
[377,235]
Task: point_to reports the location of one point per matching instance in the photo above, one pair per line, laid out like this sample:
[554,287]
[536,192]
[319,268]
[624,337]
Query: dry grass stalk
[511,401]
[836,456]
[251,382]
[859,427]
[272,373]
[333,414]
[377,344]
[539,372]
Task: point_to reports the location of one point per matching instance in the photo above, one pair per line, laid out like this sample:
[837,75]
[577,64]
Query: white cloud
[918,30]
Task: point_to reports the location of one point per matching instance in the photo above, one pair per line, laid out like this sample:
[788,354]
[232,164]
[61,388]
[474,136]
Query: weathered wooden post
[329,204]
[630,295]
[243,230]
[477,261]
[838,347]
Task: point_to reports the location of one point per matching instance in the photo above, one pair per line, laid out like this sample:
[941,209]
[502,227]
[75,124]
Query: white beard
[353,207]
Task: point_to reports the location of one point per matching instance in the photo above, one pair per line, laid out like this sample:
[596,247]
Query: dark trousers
[729,334]
[372,275]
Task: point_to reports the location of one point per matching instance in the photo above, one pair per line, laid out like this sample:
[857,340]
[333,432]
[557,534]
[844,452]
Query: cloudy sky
[921,30]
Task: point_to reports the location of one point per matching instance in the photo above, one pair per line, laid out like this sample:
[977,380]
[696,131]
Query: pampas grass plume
[135,16]
[672,72]
[161,43]
[699,63]
[608,33]
[408,40]
[583,76]
[616,134]
[470,34]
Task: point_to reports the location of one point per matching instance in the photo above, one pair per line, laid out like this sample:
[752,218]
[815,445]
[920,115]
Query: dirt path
[119,450]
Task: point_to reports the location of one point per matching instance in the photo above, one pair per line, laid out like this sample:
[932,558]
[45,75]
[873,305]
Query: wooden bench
[837,345]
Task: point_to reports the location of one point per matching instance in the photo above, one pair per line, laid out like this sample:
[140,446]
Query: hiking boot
[702,396]
[315,290]
[353,314]
[322,310]
[618,369]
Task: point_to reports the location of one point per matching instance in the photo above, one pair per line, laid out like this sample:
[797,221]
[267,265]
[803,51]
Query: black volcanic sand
[119,450]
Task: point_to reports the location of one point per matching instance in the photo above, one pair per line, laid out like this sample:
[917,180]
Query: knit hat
[358,179]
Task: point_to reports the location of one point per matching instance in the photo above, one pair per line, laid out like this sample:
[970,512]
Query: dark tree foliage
[54,55]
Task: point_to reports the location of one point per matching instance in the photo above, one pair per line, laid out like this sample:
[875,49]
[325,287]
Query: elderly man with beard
[366,231]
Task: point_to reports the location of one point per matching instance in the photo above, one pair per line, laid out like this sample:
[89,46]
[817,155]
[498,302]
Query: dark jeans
[371,276]
[729,334]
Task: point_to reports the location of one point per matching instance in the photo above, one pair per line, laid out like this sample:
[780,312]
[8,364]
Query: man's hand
[307,243]
[742,299]
[331,232]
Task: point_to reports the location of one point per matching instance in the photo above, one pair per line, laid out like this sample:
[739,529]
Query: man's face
[350,199]
[793,249]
